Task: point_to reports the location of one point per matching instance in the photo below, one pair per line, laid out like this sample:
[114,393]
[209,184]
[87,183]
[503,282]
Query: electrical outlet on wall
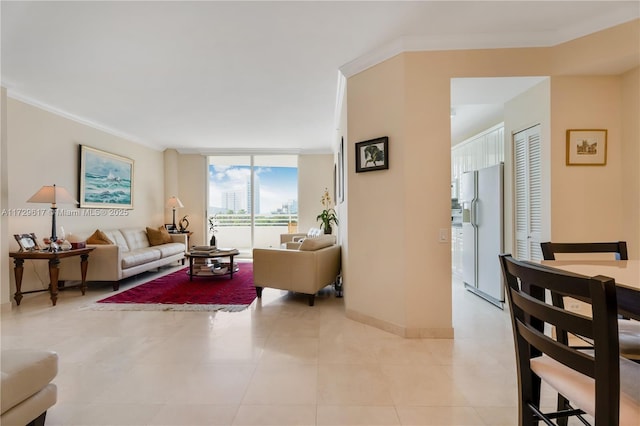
[443,235]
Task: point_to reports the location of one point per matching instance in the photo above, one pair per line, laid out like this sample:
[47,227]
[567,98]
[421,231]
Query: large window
[252,199]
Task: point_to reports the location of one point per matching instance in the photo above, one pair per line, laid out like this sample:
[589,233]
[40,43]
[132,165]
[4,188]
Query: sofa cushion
[170,249]
[313,244]
[140,256]
[99,237]
[136,238]
[158,236]
[116,236]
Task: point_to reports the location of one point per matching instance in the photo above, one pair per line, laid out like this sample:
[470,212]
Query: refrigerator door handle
[472,213]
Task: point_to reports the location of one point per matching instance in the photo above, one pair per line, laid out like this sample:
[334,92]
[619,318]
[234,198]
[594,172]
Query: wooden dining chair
[597,382]
[629,331]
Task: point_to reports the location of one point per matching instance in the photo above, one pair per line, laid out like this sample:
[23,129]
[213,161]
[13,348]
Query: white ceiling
[211,75]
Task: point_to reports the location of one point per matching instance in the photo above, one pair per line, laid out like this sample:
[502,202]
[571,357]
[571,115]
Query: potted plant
[328,215]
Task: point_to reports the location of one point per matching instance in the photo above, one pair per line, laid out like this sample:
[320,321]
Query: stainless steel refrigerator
[482,200]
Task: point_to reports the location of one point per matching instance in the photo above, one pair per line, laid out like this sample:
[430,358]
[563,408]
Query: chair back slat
[572,358]
[527,287]
[549,249]
[572,322]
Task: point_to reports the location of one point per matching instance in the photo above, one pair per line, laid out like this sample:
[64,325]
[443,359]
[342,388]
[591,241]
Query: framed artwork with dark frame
[586,147]
[341,172]
[27,242]
[372,155]
[106,180]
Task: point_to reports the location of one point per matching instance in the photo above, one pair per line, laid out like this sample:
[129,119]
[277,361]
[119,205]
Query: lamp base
[52,247]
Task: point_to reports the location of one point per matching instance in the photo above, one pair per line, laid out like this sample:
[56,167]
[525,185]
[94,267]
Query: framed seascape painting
[586,147]
[106,180]
[372,155]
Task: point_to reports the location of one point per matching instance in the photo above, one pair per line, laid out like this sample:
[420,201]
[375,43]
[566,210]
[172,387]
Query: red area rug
[175,292]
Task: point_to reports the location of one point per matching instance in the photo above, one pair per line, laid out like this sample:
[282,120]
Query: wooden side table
[54,261]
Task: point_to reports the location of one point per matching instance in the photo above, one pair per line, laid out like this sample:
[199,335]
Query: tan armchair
[311,267]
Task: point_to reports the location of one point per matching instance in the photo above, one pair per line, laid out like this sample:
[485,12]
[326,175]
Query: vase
[328,229]
[212,241]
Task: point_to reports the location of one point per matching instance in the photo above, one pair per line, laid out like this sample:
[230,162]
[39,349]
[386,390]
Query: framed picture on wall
[586,147]
[340,182]
[106,180]
[372,155]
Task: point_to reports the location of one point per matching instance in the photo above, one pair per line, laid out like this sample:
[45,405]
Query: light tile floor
[280,362]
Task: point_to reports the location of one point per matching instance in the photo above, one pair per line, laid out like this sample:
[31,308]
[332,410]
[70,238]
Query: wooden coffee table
[230,253]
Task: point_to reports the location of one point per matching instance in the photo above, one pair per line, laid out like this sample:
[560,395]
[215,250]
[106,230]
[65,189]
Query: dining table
[626,274]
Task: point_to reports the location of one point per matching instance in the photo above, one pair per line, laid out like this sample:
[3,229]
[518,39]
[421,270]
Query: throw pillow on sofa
[158,236]
[99,237]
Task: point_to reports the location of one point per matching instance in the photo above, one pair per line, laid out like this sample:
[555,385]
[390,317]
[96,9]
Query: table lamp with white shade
[54,195]
[175,203]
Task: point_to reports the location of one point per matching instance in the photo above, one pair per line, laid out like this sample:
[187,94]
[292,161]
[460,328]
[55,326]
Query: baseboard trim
[407,332]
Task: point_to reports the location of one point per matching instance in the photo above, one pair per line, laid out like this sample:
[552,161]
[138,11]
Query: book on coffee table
[203,249]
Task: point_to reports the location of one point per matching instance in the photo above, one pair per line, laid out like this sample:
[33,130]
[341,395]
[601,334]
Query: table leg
[231,268]
[84,263]
[17,271]
[190,268]
[53,277]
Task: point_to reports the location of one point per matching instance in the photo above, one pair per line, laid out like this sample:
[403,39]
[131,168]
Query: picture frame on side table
[372,155]
[106,179]
[586,147]
[27,242]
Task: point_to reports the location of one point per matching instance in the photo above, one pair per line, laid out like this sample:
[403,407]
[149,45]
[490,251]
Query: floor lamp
[54,195]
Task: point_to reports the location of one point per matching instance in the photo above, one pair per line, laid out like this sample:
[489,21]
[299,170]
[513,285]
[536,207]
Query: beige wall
[629,141]
[586,200]
[192,181]
[43,148]
[376,271]
[407,99]
[185,176]
[315,173]
[5,296]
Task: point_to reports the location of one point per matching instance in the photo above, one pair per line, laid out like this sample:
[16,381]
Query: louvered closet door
[528,193]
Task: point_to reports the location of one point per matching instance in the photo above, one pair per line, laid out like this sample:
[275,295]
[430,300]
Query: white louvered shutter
[528,193]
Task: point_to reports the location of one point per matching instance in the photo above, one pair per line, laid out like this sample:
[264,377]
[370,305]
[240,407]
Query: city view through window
[252,200]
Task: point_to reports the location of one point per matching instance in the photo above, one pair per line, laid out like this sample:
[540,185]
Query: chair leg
[115,285]
[259,292]
[563,404]
[38,421]
[312,298]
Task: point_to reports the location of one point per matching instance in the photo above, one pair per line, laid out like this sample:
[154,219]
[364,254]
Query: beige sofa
[26,391]
[131,254]
[313,265]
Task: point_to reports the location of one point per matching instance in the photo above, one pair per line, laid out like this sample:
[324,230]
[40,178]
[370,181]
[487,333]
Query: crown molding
[341,87]
[81,120]
[483,41]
